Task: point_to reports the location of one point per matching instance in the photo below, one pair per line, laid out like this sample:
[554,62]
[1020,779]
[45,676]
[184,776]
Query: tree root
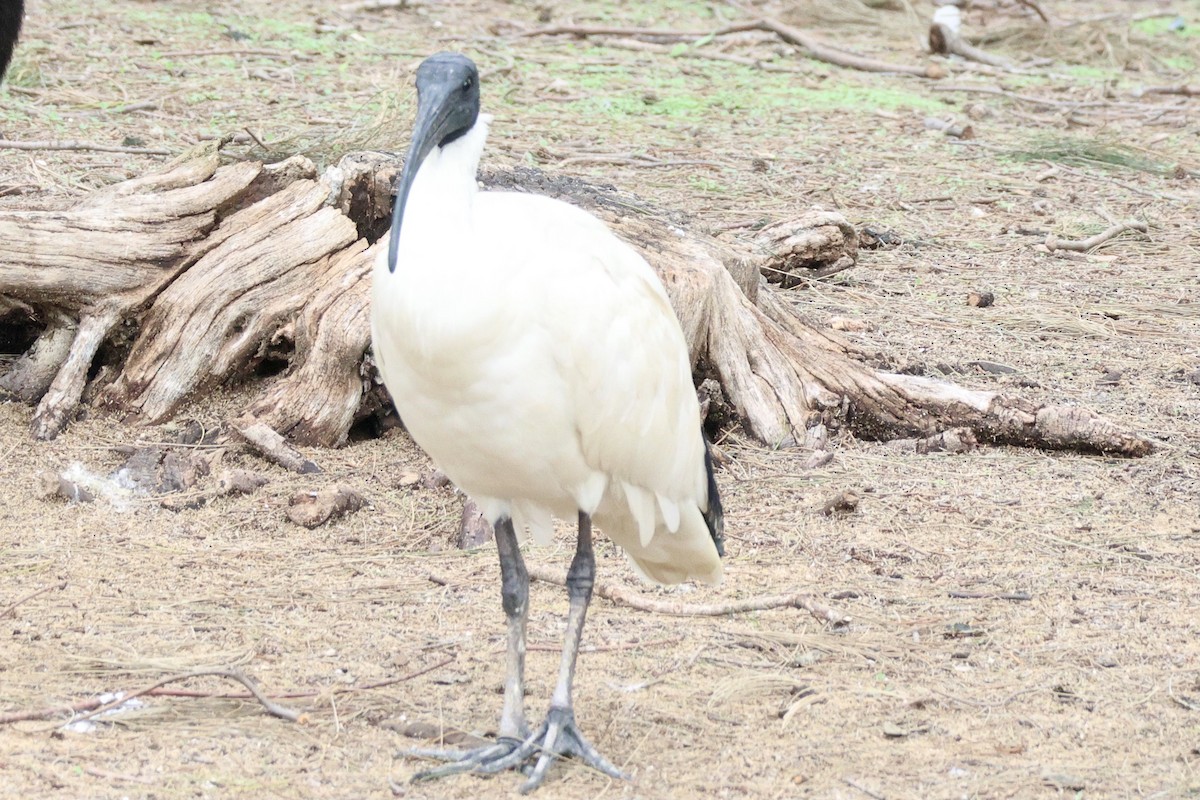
[237,267]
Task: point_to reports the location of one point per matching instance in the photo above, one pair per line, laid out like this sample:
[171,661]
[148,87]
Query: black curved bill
[447,107]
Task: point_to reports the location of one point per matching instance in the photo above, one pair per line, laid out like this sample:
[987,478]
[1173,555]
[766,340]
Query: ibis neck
[444,190]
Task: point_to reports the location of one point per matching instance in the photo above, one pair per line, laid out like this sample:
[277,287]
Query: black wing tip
[714,517]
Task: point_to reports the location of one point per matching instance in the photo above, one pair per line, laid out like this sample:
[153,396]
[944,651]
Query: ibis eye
[466,84]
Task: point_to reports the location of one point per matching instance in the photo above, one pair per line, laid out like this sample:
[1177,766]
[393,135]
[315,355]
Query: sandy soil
[1024,623]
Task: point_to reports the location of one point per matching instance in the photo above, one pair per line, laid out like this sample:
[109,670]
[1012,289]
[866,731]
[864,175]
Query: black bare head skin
[447,107]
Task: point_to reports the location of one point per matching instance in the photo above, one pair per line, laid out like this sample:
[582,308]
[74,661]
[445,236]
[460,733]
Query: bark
[227,271]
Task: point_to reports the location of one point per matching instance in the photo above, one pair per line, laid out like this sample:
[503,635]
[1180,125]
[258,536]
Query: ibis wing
[620,348]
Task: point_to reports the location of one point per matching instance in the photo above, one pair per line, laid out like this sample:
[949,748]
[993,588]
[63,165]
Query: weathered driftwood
[217,271]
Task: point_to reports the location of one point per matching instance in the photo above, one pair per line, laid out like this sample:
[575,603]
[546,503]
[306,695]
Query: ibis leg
[513,731]
[558,735]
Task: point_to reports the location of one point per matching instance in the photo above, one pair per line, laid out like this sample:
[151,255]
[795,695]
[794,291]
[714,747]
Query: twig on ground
[374,5]
[257,139]
[105,775]
[1041,101]
[93,705]
[950,128]
[868,792]
[605,30]
[273,708]
[794,36]
[1185,89]
[1032,6]
[274,447]
[944,40]
[233,51]
[1015,596]
[636,160]
[66,144]
[1084,245]
[144,105]
[53,711]
[36,593]
[822,52]
[1123,184]
[301,693]
[624,597]
[613,648]
[704,53]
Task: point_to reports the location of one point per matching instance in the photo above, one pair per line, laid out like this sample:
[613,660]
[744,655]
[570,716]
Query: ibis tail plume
[536,358]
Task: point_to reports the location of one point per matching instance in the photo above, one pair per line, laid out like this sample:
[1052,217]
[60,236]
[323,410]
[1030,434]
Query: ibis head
[447,107]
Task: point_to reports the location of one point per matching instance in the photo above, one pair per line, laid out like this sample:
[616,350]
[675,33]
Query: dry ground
[1090,687]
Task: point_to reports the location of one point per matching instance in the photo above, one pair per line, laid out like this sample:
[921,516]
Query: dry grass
[1089,688]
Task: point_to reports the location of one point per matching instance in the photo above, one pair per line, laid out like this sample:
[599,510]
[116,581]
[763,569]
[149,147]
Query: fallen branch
[822,52]
[704,53]
[1032,6]
[9,144]
[1084,245]
[635,601]
[606,30]
[275,448]
[93,704]
[13,606]
[232,51]
[273,708]
[105,775]
[813,48]
[944,40]
[950,128]
[1184,89]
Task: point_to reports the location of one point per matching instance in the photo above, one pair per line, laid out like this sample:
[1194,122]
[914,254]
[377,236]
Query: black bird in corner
[12,12]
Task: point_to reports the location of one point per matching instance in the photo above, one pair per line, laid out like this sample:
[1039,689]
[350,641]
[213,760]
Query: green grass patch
[1088,153]
[1162,26]
[617,93]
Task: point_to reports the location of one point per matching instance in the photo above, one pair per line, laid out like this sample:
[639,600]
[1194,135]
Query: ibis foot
[462,760]
[558,736]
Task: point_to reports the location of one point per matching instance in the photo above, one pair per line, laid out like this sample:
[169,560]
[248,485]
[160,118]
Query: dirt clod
[844,502]
[315,508]
[980,299]
[240,481]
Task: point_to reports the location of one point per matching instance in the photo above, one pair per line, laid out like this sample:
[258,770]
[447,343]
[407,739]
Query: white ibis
[536,358]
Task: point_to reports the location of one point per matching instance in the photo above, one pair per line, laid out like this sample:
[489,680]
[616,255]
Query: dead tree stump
[208,271]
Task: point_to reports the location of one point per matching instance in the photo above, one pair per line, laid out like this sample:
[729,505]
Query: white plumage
[536,358]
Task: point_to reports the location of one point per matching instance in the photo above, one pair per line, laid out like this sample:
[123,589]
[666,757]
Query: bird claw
[557,737]
[462,760]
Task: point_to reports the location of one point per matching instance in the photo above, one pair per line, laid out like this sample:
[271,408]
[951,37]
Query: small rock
[894,731]
[407,480]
